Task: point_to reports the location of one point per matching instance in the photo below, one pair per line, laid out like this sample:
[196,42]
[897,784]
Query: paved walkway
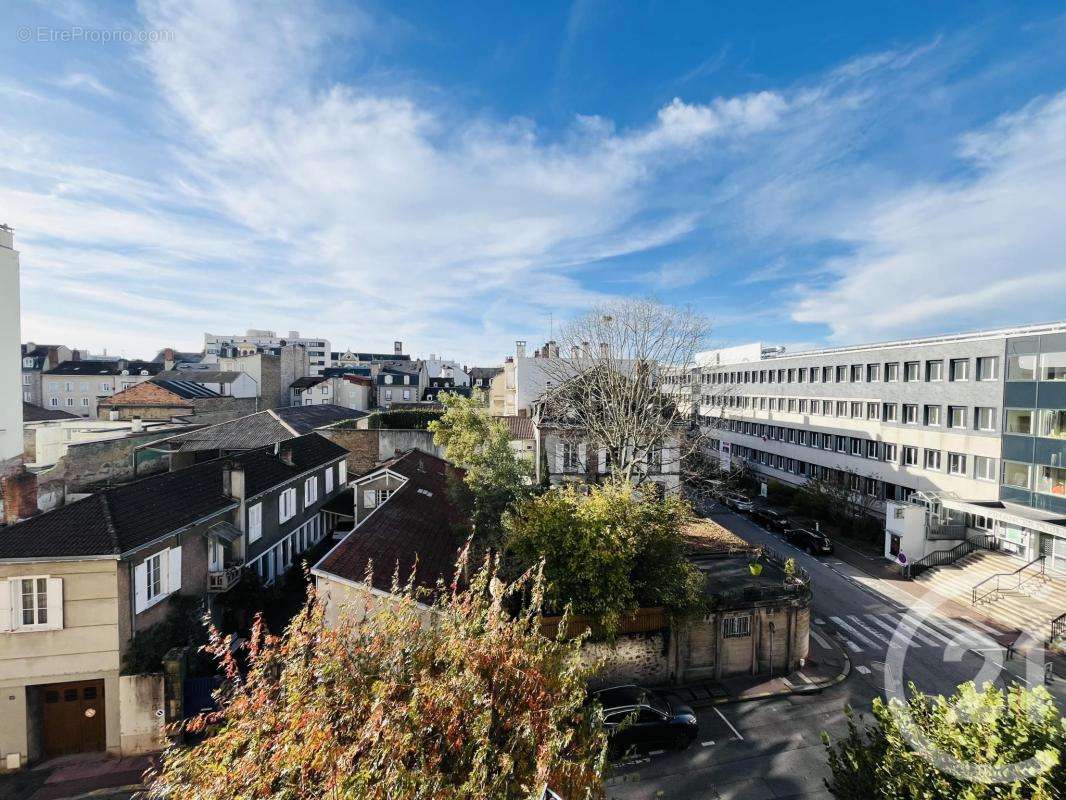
[85,776]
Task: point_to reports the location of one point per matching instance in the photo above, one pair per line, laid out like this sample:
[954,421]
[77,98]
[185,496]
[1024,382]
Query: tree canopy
[911,750]
[471,702]
[495,476]
[606,551]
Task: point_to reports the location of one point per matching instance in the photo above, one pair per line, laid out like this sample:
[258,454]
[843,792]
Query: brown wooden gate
[73,717]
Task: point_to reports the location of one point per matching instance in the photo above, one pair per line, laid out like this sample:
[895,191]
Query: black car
[813,542]
[773,521]
[642,719]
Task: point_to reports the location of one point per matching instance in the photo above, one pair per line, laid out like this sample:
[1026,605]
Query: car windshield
[656,702]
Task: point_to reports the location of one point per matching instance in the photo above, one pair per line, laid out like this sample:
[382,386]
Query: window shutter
[55,603]
[342,472]
[370,498]
[140,587]
[582,450]
[175,570]
[558,457]
[601,460]
[6,609]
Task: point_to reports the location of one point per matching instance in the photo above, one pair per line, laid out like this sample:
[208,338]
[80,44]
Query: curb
[103,792]
[813,688]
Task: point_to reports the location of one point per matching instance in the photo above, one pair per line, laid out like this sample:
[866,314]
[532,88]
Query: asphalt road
[772,748]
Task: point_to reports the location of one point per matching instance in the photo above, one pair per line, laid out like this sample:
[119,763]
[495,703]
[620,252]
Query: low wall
[141,713]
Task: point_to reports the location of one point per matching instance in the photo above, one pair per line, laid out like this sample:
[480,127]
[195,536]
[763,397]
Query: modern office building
[975,423]
[262,341]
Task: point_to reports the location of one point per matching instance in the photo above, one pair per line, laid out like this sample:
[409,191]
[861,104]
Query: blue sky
[456,175]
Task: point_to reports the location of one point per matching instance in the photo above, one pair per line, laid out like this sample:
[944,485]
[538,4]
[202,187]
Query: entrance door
[73,717]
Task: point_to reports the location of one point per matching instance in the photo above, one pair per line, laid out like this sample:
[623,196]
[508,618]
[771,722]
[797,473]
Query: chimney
[286,457]
[397,348]
[520,349]
[20,495]
[553,349]
[136,425]
[168,359]
[233,479]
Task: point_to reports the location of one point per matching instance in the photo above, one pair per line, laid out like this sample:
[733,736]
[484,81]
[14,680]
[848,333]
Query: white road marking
[656,752]
[707,744]
[924,632]
[857,634]
[878,635]
[804,677]
[891,629]
[730,724]
[862,669]
[986,628]
[821,640]
[854,647]
[974,637]
[819,621]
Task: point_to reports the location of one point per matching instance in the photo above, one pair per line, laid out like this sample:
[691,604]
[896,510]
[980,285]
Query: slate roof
[484,373]
[123,518]
[180,357]
[259,429]
[185,389]
[306,382]
[418,523]
[105,368]
[518,427]
[200,375]
[32,413]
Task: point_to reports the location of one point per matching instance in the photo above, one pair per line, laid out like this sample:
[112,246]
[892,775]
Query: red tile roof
[518,427]
[418,525]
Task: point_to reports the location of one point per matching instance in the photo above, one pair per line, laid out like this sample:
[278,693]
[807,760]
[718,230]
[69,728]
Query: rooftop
[32,413]
[418,529]
[123,518]
[98,367]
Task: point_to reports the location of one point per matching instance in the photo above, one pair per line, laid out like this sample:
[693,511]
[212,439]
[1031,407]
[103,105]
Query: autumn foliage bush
[468,701]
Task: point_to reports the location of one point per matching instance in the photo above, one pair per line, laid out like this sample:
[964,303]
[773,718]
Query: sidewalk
[825,667]
[92,775]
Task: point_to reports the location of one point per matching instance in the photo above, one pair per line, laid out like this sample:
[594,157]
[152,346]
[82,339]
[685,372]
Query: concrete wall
[141,713]
[367,448]
[86,648]
[93,462]
[10,352]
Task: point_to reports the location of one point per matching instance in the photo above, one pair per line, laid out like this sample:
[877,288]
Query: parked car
[637,718]
[813,542]
[773,521]
[738,502]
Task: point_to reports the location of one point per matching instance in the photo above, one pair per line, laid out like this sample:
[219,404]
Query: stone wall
[366,448]
[632,658]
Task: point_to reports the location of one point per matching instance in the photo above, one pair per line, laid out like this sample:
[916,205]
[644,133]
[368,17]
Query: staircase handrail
[999,576]
[940,557]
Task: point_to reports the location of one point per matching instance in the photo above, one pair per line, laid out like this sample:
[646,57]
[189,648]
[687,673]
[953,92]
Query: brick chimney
[397,348]
[233,479]
[20,495]
[168,359]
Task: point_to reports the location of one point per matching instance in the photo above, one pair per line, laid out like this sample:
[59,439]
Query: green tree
[495,476]
[993,731]
[607,551]
[475,705]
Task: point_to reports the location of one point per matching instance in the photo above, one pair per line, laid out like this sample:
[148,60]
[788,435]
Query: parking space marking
[730,724]
[707,744]
[821,640]
[863,669]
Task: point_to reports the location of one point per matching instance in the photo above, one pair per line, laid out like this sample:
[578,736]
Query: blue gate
[197,695]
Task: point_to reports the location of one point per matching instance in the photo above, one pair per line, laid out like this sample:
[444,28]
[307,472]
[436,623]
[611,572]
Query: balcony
[224,580]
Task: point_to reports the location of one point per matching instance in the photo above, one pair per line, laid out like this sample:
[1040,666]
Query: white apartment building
[255,340]
[77,386]
[976,422]
[10,351]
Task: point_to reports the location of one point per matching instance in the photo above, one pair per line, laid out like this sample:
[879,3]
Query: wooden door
[73,718]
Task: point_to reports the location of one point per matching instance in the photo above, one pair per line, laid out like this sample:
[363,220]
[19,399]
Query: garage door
[72,717]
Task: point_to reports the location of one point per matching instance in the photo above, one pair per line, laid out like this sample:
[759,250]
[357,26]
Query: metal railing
[939,558]
[1058,629]
[947,531]
[1001,582]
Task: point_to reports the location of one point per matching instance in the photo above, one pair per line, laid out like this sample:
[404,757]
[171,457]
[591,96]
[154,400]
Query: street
[772,748]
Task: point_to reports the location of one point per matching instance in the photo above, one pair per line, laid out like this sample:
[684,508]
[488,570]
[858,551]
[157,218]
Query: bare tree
[611,382]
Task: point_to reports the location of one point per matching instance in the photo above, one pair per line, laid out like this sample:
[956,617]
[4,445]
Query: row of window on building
[958,369]
[978,467]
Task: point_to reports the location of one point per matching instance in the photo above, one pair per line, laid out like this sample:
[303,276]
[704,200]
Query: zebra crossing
[862,632]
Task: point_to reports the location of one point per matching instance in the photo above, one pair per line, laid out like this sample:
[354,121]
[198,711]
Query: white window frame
[157,559]
[989,474]
[255,522]
[18,609]
[329,479]
[956,463]
[310,491]
[342,473]
[287,504]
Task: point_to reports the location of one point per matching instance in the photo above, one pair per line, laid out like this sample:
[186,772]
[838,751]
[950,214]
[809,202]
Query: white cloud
[985,249]
[82,80]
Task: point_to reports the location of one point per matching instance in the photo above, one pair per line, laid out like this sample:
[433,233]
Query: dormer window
[388,379]
[27,362]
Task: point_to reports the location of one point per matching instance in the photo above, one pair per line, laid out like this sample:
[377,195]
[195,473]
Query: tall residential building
[974,422]
[263,341]
[10,351]
[77,386]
